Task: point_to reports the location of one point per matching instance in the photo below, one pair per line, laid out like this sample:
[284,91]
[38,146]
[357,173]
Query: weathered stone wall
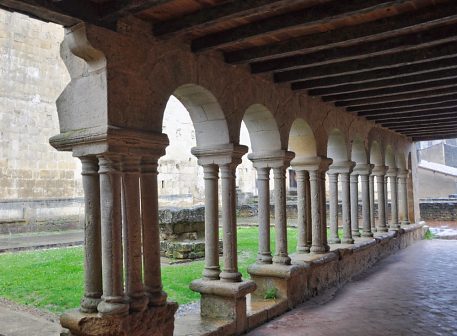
[439,209]
[435,184]
[450,155]
[32,75]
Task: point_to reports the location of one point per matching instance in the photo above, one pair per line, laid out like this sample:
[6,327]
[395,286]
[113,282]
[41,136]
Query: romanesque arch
[337,146]
[302,141]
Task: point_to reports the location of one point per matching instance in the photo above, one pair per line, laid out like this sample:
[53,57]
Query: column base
[394,227]
[318,249]
[382,229]
[406,222]
[281,260]
[334,241]
[152,321]
[367,234]
[276,282]
[347,241]
[225,300]
[356,233]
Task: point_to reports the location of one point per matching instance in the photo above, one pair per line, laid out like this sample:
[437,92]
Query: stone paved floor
[413,292]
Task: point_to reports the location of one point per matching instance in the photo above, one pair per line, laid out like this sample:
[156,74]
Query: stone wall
[438,209]
[450,155]
[32,75]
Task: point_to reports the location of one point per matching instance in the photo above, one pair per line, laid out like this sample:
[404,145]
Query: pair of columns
[278,162]
[312,212]
[223,159]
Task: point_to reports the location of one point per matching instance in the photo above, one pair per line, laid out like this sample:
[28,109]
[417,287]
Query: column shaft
[372,216]
[393,202]
[317,245]
[354,190]
[281,256]
[131,226]
[323,210]
[92,241]
[230,272]
[366,207]
[308,223]
[111,230]
[302,211]
[403,200]
[346,204]
[211,177]
[382,224]
[151,236]
[263,186]
[333,208]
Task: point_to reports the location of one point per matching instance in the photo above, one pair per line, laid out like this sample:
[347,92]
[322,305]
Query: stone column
[346,207]
[211,177]
[386,198]
[132,233]
[371,191]
[263,186]
[354,191]
[323,208]
[228,185]
[113,300]
[333,207]
[151,236]
[364,171]
[301,211]
[281,256]
[392,174]
[379,172]
[403,197]
[92,243]
[308,223]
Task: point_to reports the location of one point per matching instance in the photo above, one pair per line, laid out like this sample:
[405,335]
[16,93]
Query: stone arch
[390,157]
[358,151]
[401,161]
[337,146]
[263,129]
[302,141]
[207,116]
[376,154]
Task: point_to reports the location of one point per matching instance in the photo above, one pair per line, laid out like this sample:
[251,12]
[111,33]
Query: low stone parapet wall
[438,209]
[308,276]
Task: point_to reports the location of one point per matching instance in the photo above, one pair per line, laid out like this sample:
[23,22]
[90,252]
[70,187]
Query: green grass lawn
[53,279]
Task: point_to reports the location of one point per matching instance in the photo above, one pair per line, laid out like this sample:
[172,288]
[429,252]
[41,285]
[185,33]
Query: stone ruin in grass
[182,233]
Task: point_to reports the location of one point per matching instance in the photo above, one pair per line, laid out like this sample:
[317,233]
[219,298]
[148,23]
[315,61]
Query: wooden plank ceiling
[392,62]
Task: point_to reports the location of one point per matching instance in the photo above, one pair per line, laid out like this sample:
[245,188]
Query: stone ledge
[221,288]
[274,270]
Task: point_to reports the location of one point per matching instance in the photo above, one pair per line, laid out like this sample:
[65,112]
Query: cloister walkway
[413,292]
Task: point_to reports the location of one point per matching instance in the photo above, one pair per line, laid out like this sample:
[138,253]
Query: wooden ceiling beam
[399,82]
[430,132]
[448,112]
[404,128]
[418,109]
[296,20]
[387,91]
[116,9]
[391,62]
[373,76]
[368,31]
[397,97]
[226,11]
[392,46]
[420,120]
[404,104]
[66,13]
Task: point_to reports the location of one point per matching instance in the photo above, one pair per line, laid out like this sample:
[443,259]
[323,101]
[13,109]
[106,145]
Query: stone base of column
[405,222]
[394,227]
[280,281]
[335,240]
[367,234]
[382,229]
[347,241]
[225,300]
[153,321]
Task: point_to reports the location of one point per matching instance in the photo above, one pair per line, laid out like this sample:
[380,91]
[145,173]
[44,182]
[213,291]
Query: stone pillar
[392,174]
[323,208]
[228,185]
[386,198]
[346,206]
[92,240]
[302,211]
[354,191]
[379,172]
[281,255]
[113,300]
[371,191]
[333,207]
[211,177]
[263,186]
[151,236]
[132,233]
[364,171]
[403,197]
[308,223]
